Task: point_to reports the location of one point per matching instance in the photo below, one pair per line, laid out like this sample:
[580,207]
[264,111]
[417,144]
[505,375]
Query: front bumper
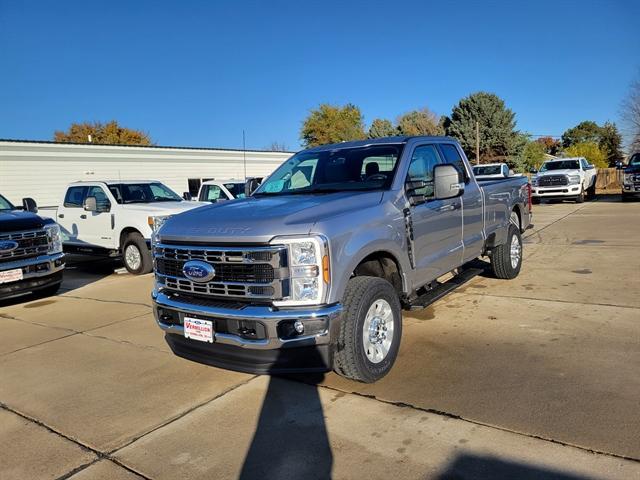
[252,338]
[631,189]
[37,273]
[559,191]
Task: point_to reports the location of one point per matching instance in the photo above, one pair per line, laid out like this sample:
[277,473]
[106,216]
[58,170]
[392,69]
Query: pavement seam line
[517,297]
[479,423]
[106,301]
[182,415]
[38,344]
[555,221]
[99,454]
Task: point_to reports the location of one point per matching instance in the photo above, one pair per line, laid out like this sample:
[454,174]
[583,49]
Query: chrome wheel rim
[133,257]
[377,331]
[516,252]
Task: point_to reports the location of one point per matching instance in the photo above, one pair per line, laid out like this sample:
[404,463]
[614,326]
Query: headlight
[574,179]
[54,237]
[628,178]
[156,222]
[308,270]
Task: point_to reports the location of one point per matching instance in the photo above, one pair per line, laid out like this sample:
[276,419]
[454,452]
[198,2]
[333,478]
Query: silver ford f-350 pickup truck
[312,271]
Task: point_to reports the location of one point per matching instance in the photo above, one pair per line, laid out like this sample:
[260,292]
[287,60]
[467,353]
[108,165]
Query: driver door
[437,224]
[96,228]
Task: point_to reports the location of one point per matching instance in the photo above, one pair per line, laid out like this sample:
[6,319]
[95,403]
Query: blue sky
[198,73]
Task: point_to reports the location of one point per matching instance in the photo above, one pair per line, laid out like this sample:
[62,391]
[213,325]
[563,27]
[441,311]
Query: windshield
[5,204]
[143,193]
[488,170]
[235,189]
[336,170]
[561,165]
[635,160]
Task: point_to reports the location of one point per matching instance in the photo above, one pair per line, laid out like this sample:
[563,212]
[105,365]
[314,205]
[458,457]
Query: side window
[451,156]
[102,201]
[212,193]
[423,161]
[583,162]
[75,196]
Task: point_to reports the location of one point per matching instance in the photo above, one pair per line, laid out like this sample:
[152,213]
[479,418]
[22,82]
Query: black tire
[501,256]
[145,264]
[626,197]
[580,198]
[350,359]
[591,191]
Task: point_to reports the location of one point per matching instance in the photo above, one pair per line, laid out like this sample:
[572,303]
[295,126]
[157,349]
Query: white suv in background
[564,178]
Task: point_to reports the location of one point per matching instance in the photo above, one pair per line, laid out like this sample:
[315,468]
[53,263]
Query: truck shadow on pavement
[290,440]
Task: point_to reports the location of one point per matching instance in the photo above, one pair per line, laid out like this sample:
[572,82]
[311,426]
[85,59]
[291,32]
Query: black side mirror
[250,186]
[411,188]
[187,196]
[29,205]
[90,204]
[446,182]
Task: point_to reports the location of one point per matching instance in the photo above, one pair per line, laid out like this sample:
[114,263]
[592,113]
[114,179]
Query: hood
[259,219]
[163,208]
[564,171]
[632,169]
[17,220]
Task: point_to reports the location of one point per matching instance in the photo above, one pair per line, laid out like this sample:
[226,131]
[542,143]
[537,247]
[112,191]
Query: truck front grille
[553,180]
[240,272]
[30,244]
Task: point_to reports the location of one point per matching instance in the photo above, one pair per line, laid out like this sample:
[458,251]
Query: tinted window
[75,196]
[423,161]
[489,170]
[102,201]
[211,193]
[143,193]
[5,204]
[452,156]
[235,189]
[560,165]
[635,160]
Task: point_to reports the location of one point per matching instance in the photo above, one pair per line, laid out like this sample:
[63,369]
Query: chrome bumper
[268,316]
[53,261]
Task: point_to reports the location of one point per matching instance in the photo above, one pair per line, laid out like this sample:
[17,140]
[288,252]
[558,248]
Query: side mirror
[411,188]
[250,186]
[187,196]
[590,167]
[90,204]
[29,205]
[446,182]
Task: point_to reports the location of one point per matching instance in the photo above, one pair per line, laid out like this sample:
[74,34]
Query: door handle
[61,215]
[447,208]
[83,216]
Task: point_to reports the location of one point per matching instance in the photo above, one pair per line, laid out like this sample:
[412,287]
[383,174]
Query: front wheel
[506,259]
[591,191]
[370,330]
[580,198]
[136,255]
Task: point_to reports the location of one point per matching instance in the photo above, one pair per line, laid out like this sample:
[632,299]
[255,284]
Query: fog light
[298,326]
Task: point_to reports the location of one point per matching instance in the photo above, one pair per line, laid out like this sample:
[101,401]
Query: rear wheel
[135,255]
[506,259]
[370,330]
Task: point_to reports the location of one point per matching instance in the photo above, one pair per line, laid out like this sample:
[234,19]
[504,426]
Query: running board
[442,289]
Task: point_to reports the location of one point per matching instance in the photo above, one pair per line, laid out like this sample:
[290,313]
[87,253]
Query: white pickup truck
[213,191]
[117,218]
[564,178]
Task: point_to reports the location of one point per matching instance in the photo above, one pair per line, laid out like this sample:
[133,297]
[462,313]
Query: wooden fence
[609,179]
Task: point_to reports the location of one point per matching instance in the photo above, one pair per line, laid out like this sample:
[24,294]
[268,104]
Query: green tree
[589,150]
[332,124]
[109,133]
[586,131]
[611,143]
[532,156]
[381,127]
[498,137]
[420,122]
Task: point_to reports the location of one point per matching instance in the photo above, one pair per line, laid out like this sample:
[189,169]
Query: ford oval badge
[8,246]
[198,271]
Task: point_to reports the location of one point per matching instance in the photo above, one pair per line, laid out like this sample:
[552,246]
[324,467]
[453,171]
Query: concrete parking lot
[533,378]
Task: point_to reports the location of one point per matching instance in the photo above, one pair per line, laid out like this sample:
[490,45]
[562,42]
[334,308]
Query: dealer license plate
[198,329]
[11,275]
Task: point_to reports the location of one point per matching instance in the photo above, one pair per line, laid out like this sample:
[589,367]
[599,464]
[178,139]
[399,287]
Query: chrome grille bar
[30,244]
